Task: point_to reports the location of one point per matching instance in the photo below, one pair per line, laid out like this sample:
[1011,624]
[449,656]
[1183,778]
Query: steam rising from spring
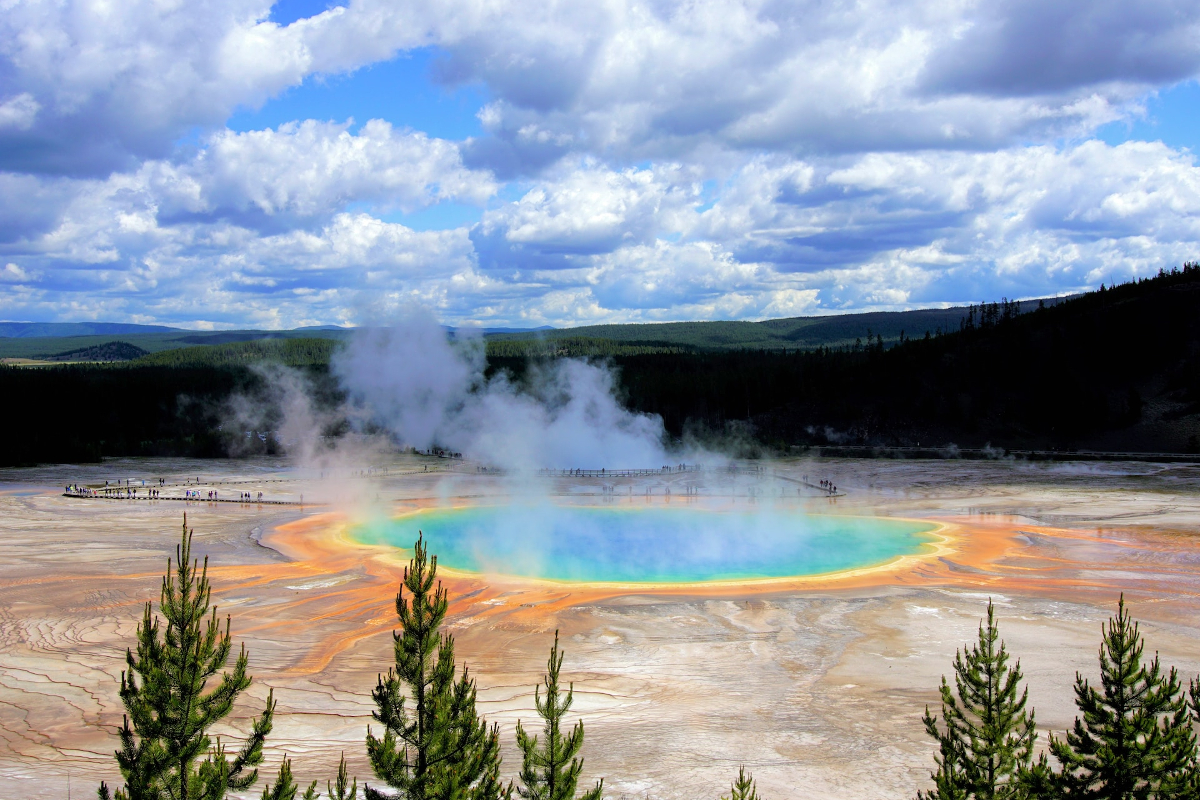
[429,391]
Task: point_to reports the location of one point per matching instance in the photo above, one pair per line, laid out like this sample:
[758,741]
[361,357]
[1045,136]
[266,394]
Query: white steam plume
[428,391]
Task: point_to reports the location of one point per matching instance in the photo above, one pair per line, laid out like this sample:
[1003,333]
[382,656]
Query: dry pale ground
[817,686]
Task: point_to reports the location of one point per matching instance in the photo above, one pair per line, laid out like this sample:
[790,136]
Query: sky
[238,163]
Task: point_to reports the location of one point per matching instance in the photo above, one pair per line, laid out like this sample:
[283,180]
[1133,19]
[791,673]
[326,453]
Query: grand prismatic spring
[655,544]
[706,622]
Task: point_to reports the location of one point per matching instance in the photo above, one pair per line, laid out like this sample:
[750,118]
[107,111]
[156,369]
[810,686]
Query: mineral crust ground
[817,685]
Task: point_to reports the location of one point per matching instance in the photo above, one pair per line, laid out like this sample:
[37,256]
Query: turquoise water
[681,544]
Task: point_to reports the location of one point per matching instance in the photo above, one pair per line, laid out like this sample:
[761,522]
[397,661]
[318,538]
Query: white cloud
[781,237]
[663,276]
[314,169]
[13,273]
[629,79]
[679,80]
[18,112]
[116,82]
[585,211]
[223,276]
[300,175]
[669,159]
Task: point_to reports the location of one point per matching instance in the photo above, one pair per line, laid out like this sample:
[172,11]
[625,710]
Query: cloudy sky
[232,163]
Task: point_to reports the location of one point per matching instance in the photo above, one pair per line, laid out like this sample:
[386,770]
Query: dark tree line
[84,413]
[1078,374]
[1115,369]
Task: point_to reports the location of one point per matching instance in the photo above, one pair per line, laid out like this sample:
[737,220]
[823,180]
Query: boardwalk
[668,475]
[141,498]
[686,469]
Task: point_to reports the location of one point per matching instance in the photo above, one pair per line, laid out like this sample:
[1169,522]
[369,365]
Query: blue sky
[249,164]
[1171,116]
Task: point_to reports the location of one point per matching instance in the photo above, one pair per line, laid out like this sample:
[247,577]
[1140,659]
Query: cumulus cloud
[112,83]
[681,80]
[91,87]
[780,237]
[297,176]
[13,273]
[639,160]
[890,230]
[314,169]
[665,276]
[948,208]
[587,211]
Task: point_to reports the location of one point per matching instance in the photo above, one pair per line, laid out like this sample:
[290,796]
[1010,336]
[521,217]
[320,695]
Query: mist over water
[656,544]
[411,384]
[426,390]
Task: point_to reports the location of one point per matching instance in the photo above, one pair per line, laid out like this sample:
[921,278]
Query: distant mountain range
[53,341]
[52,330]
[30,330]
[44,340]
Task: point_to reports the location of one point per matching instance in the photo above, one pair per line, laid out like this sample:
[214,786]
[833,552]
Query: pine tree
[744,787]
[1134,739]
[985,741]
[285,787]
[950,781]
[440,748]
[1192,777]
[550,768]
[167,712]
[339,790]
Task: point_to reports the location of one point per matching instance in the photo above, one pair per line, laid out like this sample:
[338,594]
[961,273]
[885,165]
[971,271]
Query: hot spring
[649,544]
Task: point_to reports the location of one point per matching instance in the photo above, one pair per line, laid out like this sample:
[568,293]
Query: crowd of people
[125,489]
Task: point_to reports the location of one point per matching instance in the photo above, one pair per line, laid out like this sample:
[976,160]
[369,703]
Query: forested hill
[1115,369]
[53,341]
[109,351]
[305,352]
[804,333]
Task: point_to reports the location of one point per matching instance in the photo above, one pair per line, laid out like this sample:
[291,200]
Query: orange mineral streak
[337,592]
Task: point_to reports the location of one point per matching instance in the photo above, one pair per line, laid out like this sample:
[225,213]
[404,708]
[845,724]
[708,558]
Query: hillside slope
[1117,369]
[777,334]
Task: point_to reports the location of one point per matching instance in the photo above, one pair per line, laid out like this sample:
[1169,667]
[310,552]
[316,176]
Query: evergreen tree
[167,712]
[1192,778]
[550,769]
[986,736]
[744,787]
[1134,740]
[285,787]
[439,748]
[339,789]
[950,781]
